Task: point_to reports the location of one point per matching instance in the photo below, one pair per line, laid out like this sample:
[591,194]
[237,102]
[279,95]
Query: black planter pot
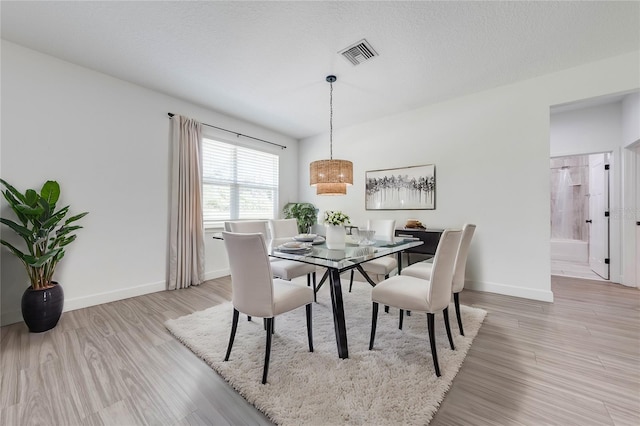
[41,309]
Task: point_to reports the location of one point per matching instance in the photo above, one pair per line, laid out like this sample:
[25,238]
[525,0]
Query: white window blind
[237,183]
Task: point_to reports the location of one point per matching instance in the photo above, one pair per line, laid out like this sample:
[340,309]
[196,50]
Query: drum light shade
[331,171]
[331,189]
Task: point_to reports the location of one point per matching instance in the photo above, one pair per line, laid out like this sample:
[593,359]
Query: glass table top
[351,255]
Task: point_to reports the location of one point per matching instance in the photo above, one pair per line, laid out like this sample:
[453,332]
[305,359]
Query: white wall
[107,142]
[630,213]
[491,151]
[586,130]
[631,119]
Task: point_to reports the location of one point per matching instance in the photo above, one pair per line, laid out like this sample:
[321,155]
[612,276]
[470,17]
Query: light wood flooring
[572,362]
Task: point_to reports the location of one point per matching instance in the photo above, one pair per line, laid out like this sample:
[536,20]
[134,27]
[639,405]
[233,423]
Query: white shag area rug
[393,384]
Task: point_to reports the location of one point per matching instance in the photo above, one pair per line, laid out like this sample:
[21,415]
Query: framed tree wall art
[406,188]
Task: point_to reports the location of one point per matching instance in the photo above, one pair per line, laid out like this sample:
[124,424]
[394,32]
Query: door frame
[599,218]
[615,199]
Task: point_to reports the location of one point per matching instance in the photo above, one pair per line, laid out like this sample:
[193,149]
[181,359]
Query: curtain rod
[236,133]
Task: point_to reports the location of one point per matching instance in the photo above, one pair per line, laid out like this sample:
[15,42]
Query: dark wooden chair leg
[248,317]
[309,328]
[351,281]
[315,290]
[267,352]
[374,320]
[432,341]
[408,313]
[234,327]
[445,314]
[401,319]
[456,301]
[386,309]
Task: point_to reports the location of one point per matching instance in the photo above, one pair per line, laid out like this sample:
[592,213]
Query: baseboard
[71,304]
[11,317]
[510,290]
[212,275]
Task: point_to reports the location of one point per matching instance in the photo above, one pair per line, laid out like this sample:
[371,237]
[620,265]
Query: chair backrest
[385,228]
[251,282]
[319,229]
[248,227]
[439,293]
[282,230]
[461,258]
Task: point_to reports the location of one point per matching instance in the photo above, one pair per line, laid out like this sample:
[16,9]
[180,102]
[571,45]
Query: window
[237,183]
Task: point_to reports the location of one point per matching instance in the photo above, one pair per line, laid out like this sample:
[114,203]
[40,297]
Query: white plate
[318,240]
[293,250]
[293,247]
[307,238]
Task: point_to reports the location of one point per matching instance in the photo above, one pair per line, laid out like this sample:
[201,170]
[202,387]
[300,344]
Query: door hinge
[606,214]
[606,261]
[606,167]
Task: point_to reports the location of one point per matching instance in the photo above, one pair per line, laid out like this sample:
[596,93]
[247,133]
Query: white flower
[335,218]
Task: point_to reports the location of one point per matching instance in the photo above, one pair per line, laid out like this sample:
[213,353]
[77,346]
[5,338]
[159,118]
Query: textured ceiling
[266,62]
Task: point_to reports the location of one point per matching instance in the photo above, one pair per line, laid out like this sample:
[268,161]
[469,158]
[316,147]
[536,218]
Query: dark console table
[430,238]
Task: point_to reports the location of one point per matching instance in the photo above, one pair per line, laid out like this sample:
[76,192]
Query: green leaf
[17,194]
[24,232]
[66,229]
[46,209]
[76,217]
[59,256]
[51,222]
[29,211]
[14,250]
[67,241]
[40,261]
[31,198]
[51,192]
[13,202]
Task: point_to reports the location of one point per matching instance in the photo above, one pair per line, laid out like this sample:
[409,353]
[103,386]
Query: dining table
[339,260]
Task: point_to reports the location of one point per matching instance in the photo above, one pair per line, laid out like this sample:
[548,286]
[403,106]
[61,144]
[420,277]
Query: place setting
[314,239]
[294,247]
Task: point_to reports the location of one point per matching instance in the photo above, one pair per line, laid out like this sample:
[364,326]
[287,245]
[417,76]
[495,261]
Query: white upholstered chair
[281,268]
[418,295]
[282,231]
[423,269]
[257,293]
[382,266]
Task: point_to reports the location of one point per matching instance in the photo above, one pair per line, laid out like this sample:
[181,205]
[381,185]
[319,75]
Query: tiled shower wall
[578,167]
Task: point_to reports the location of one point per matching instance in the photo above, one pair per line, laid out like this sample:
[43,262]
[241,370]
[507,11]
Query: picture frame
[404,188]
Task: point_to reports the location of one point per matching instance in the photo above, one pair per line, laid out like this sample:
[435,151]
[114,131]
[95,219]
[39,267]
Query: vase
[336,236]
[41,309]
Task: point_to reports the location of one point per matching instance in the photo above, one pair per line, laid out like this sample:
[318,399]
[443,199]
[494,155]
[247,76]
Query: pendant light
[331,177]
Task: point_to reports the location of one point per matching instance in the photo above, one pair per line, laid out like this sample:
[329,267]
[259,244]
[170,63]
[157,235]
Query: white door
[637,182]
[599,215]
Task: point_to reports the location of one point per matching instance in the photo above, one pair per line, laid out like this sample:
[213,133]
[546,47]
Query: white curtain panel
[186,239]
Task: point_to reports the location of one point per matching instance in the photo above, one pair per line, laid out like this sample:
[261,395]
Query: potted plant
[305,213]
[46,233]
[336,232]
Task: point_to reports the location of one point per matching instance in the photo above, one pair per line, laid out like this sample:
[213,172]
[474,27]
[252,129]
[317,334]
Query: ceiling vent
[359,52]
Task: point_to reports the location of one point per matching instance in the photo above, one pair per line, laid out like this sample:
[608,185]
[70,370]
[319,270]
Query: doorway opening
[579,216]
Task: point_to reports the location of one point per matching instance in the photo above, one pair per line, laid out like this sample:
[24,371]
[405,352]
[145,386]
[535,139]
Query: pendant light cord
[331,121]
